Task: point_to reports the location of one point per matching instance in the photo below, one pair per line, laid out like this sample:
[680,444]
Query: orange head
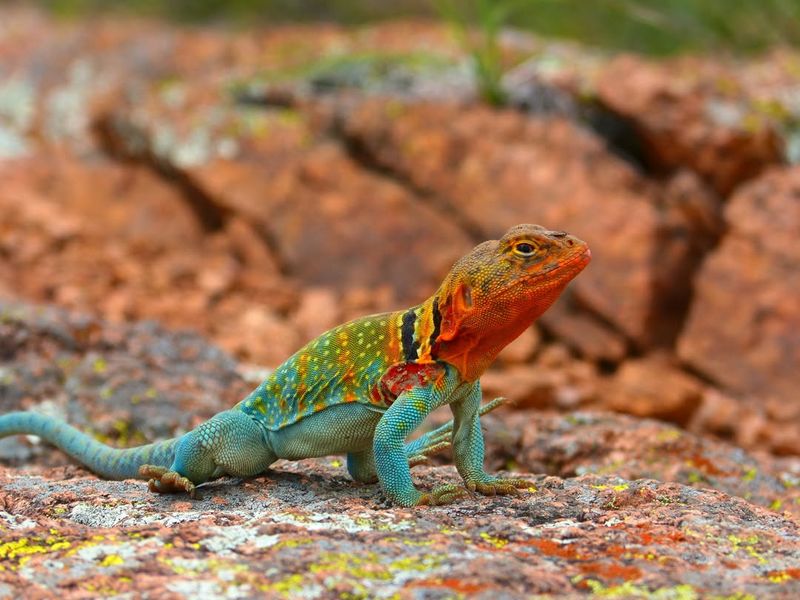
[495,292]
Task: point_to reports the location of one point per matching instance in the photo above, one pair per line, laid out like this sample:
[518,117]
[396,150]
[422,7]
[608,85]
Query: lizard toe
[444,494]
[168,482]
[499,486]
[152,471]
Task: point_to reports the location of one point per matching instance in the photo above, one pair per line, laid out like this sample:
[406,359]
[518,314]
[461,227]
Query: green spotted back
[341,366]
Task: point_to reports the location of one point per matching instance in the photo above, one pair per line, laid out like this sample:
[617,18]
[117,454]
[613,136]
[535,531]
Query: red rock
[307,527]
[318,311]
[250,248]
[253,332]
[331,222]
[589,337]
[680,107]
[723,415]
[539,386]
[691,203]
[653,386]
[743,330]
[127,383]
[525,386]
[554,356]
[494,168]
[522,349]
[602,443]
[772,425]
[352,228]
[121,242]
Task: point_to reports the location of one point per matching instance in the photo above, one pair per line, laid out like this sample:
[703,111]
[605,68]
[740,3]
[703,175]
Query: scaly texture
[361,388]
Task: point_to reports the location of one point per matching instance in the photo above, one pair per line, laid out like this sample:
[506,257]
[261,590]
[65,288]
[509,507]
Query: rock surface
[582,443]
[125,383]
[596,520]
[305,529]
[494,168]
[752,279]
[654,386]
[692,114]
[262,186]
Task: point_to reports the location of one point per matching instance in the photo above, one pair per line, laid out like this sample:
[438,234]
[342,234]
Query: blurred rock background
[259,179]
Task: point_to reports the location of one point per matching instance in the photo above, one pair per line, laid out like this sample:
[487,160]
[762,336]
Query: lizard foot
[444,494]
[163,481]
[499,486]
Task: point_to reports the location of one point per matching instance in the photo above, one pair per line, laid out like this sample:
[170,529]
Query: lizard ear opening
[453,310]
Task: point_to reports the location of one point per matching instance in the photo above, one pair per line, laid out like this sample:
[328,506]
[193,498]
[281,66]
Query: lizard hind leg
[230,443]
[361,466]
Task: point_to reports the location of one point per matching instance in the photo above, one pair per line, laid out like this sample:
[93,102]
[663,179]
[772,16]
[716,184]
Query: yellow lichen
[494,541]
[668,435]
[416,563]
[748,545]
[293,543]
[418,543]
[112,560]
[631,590]
[100,366]
[621,487]
[21,550]
[361,567]
[289,584]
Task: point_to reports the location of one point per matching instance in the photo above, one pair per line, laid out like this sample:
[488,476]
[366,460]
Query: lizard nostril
[570,243]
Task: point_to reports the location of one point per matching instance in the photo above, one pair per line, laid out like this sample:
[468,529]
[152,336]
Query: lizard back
[343,365]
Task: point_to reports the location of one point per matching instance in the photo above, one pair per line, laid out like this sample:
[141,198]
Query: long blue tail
[108,462]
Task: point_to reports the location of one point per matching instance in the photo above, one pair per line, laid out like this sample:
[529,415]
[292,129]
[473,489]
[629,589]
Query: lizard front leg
[468,448]
[401,418]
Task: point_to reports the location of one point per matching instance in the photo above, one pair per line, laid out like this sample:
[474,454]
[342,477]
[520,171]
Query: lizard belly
[338,429]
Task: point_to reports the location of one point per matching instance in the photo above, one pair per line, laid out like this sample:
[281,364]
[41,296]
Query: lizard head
[495,292]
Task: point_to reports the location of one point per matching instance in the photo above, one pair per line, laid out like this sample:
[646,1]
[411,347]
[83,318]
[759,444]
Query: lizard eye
[524,249]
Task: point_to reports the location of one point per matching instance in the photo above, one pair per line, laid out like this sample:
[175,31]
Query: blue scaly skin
[362,388]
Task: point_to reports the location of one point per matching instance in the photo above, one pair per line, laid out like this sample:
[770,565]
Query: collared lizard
[361,388]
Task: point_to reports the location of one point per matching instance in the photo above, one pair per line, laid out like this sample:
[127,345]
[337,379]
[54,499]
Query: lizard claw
[499,486]
[163,481]
[444,494]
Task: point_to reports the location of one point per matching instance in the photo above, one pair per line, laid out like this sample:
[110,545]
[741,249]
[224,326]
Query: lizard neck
[419,329]
[472,329]
[471,353]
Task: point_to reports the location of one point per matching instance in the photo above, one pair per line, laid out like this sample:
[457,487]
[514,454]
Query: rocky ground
[259,187]
[308,531]
[619,506]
